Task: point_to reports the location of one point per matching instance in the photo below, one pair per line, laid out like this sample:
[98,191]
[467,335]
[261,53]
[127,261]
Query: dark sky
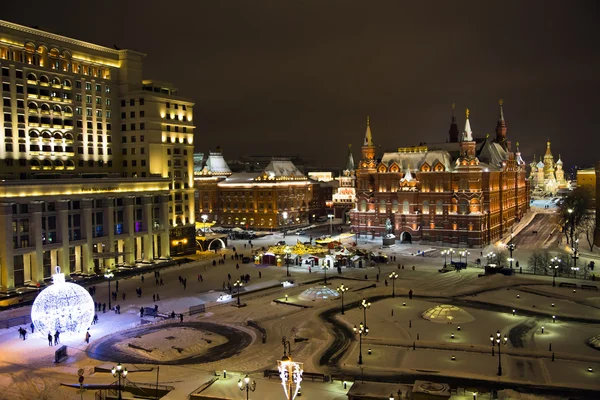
[300,77]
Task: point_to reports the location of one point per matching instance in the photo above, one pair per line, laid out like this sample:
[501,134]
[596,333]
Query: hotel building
[96,163]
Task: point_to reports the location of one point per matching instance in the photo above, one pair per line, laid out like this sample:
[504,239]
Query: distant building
[547,177]
[278,197]
[586,179]
[344,198]
[465,192]
[321,176]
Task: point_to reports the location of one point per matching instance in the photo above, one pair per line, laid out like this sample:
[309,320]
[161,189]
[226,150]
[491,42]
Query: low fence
[16,321]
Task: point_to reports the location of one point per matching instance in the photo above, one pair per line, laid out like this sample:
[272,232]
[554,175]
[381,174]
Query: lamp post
[246,385]
[511,248]
[204,218]
[360,331]
[464,254]
[489,256]
[364,305]
[393,277]
[287,260]
[342,289]
[238,285]
[325,267]
[499,341]
[554,264]
[572,222]
[290,372]
[445,254]
[330,217]
[451,252]
[119,372]
[575,256]
[108,275]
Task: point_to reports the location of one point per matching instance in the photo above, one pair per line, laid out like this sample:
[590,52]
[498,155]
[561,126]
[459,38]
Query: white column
[37,259]
[110,230]
[128,221]
[7,269]
[165,245]
[87,248]
[148,222]
[63,236]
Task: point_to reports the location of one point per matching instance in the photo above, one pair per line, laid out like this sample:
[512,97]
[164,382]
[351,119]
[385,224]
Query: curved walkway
[106,348]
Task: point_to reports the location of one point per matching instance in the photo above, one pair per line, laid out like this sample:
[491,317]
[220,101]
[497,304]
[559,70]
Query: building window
[98,87]
[88,86]
[168,105]
[142,114]
[122,103]
[123,115]
[405,207]
[142,126]
[123,127]
[132,114]
[132,127]
[124,163]
[141,101]
[141,138]
[132,139]
[132,102]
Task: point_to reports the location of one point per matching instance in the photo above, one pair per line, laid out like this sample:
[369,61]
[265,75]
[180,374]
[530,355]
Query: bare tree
[588,227]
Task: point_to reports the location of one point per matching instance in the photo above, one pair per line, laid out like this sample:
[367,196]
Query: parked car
[300,233]
[281,243]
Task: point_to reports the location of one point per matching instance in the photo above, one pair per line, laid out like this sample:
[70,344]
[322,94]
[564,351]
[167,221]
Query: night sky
[288,77]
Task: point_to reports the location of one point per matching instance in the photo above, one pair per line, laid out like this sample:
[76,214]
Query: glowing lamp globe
[64,307]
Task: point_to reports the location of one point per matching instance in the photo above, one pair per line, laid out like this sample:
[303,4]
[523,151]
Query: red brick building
[464,192]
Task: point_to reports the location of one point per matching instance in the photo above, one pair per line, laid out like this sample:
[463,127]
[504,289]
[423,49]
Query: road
[545,225]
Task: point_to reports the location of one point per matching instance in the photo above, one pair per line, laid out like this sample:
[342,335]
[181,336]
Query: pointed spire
[467,133]
[453,132]
[350,160]
[368,135]
[501,126]
[408,176]
[548,151]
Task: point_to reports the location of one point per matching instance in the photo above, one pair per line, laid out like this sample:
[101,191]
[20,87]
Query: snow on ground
[27,368]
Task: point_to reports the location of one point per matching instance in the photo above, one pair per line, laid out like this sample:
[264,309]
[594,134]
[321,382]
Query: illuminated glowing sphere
[63,306]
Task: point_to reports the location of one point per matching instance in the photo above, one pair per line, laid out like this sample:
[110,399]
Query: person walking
[153,297]
[259,274]
[410,292]
[116,284]
[142,280]
[180,317]
[87,337]
[32,327]
[157,297]
[49,339]
[56,338]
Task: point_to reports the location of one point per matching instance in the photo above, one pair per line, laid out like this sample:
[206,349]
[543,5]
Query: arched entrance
[214,244]
[405,237]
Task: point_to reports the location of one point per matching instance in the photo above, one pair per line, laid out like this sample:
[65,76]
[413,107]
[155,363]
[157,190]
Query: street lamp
[287,260]
[238,284]
[204,218]
[343,289]
[290,372]
[330,217]
[465,254]
[499,341]
[511,248]
[451,252]
[325,267]
[360,331]
[393,277]
[247,385]
[445,254]
[572,221]
[108,275]
[489,256]
[119,372]
[554,264]
[364,305]
[575,256]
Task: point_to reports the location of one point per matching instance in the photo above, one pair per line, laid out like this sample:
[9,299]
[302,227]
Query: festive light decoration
[290,373]
[64,307]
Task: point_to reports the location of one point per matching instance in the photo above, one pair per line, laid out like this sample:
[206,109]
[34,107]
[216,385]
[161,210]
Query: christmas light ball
[64,307]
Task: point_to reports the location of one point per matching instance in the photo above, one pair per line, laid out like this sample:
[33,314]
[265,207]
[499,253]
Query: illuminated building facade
[279,197]
[344,198]
[465,192]
[93,158]
[547,177]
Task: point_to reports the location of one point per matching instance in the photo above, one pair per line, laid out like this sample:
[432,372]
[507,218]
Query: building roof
[368,135]
[415,160]
[282,168]
[216,164]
